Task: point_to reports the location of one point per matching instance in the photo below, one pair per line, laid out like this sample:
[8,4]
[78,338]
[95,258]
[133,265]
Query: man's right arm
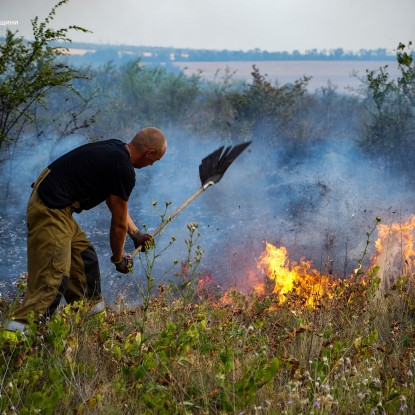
[119,225]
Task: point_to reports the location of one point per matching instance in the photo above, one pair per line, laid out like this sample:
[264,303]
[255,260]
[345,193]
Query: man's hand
[145,240]
[125,265]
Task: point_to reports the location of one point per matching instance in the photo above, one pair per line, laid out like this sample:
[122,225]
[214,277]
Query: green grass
[353,353]
[184,351]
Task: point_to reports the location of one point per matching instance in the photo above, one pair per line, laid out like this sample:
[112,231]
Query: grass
[351,354]
[183,351]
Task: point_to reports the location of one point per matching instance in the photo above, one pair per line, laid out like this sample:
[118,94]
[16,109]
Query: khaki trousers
[61,260]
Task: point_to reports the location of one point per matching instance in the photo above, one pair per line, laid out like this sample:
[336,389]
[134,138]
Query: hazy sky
[273,25]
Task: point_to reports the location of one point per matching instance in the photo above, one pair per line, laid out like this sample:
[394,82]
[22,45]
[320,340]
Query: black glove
[145,240]
[125,265]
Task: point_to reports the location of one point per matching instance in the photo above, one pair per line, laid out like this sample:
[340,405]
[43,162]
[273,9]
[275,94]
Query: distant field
[340,73]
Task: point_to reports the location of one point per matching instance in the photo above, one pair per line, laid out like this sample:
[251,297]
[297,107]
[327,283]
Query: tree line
[99,54]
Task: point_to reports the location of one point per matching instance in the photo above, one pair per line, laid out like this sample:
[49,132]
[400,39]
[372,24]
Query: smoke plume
[318,206]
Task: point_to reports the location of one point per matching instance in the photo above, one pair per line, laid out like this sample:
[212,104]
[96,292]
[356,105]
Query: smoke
[319,206]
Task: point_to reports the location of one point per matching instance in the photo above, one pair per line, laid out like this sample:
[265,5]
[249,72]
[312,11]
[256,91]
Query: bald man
[62,262]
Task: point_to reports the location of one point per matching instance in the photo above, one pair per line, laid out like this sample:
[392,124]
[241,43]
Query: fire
[395,254]
[298,278]
[394,257]
[274,263]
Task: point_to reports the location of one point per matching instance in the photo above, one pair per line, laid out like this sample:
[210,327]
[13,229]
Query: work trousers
[61,260]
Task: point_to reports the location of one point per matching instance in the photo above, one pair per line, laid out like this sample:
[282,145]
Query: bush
[29,71]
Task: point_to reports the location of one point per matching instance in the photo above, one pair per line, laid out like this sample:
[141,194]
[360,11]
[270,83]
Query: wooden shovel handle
[175,213]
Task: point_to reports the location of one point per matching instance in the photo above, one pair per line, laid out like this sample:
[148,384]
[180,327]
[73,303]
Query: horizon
[69,44]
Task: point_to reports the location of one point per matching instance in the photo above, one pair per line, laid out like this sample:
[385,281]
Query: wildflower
[192,226]
[326,387]
[404,406]
[338,374]
[316,404]
[376,381]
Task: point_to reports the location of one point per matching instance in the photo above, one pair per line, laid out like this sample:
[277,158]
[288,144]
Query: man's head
[147,147]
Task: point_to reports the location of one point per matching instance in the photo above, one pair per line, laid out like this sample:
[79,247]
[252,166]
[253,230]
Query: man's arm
[132,228]
[119,225]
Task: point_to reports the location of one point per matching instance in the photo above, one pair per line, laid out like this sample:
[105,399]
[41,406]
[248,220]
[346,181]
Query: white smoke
[319,207]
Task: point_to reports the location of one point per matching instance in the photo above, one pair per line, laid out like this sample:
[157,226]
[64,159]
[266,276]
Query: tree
[29,71]
[390,131]
[271,112]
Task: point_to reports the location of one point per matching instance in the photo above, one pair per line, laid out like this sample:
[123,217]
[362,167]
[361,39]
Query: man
[62,262]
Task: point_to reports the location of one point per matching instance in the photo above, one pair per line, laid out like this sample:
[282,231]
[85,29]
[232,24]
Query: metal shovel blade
[214,166]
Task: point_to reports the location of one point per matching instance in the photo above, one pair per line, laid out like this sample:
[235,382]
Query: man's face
[149,158]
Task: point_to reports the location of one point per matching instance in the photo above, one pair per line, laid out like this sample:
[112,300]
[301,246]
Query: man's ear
[149,153]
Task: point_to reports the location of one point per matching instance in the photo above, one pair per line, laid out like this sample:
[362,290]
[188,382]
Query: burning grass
[298,343]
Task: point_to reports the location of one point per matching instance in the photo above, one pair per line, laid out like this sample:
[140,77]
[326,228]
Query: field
[301,343]
[341,73]
[288,288]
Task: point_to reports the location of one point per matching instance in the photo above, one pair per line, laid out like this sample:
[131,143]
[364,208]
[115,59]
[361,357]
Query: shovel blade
[214,166]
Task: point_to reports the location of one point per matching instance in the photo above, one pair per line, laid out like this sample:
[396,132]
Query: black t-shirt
[89,175]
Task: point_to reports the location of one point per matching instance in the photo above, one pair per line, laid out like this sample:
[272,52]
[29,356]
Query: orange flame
[395,257]
[298,278]
[395,254]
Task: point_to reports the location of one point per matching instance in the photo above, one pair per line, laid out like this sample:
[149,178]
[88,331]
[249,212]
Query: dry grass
[353,353]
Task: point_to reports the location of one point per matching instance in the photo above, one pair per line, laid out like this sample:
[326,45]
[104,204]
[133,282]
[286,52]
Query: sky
[272,25]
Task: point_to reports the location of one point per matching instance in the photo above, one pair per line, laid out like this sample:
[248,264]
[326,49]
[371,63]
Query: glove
[145,240]
[125,265]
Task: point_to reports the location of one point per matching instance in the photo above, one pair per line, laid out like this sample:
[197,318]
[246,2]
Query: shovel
[211,170]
